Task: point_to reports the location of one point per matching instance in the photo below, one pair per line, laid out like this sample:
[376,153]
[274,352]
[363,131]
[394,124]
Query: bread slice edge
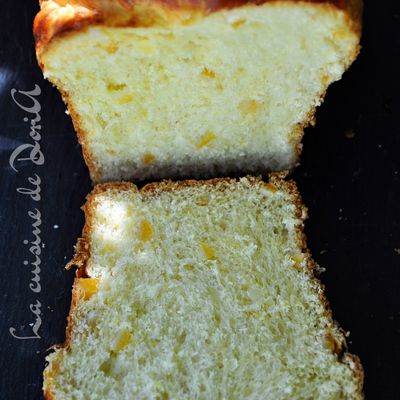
[336,335]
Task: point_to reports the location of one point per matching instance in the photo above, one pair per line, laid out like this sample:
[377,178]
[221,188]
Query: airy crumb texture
[199,290]
[216,95]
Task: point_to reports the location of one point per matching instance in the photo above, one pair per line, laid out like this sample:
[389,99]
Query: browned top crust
[58,16]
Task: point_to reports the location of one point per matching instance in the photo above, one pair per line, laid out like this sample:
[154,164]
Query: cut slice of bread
[199,290]
[194,89]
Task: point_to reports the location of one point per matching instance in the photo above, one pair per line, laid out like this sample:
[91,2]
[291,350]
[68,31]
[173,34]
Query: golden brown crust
[81,134]
[335,335]
[359,373]
[297,135]
[58,16]
[47,395]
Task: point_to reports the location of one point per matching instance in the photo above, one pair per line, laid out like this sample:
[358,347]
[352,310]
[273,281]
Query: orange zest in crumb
[340,35]
[123,341]
[88,287]
[248,106]
[115,87]
[238,22]
[111,48]
[148,158]
[297,259]
[146,231]
[208,73]
[206,139]
[208,251]
[127,98]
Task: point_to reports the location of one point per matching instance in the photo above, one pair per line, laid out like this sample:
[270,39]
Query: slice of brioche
[199,290]
[186,88]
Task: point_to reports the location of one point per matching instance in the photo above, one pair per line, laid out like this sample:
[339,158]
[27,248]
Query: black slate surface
[349,179]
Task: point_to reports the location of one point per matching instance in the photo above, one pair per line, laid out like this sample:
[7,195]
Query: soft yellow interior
[212,302]
[229,91]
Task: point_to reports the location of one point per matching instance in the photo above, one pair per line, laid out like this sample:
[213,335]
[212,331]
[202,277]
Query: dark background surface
[349,179]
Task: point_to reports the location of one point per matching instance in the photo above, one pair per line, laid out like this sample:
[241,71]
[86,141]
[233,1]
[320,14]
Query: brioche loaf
[191,88]
[199,290]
